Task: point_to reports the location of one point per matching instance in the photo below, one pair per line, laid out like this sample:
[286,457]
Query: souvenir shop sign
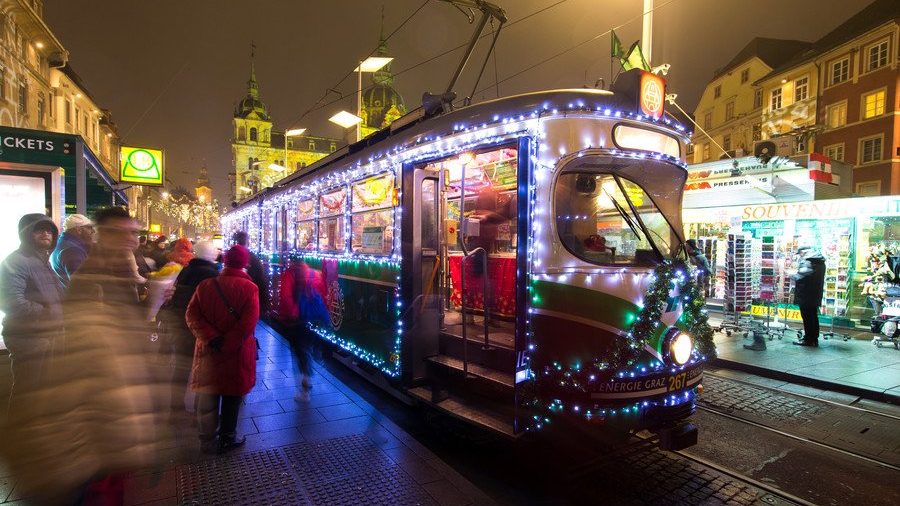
[783,313]
[818,209]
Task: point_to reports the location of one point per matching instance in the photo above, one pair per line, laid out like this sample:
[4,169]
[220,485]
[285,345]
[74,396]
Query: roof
[874,15]
[773,52]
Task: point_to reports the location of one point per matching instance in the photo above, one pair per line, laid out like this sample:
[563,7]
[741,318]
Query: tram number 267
[677,382]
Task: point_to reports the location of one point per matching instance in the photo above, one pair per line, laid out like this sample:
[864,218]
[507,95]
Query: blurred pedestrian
[99,416]
[257,273]
[303,288]
[222,315]
[809,286]
[181,252]
[31,299]
[200,268]
[73,246]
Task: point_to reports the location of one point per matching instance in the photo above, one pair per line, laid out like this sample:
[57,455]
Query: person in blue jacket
[73,246]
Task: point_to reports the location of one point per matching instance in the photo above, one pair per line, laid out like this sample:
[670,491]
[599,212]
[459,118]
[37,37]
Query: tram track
[794,435]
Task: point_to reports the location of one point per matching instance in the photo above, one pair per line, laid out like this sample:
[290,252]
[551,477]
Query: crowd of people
[98,369]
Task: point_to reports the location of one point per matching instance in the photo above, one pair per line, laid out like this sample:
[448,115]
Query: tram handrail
[462,310]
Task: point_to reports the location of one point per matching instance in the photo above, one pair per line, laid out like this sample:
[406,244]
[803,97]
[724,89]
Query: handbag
[232,311]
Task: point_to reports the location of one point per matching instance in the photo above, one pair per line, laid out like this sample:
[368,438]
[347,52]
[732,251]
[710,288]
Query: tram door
[425,309]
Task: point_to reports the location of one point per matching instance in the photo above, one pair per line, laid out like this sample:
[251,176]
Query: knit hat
[206,250]
[237,257]
[75,221]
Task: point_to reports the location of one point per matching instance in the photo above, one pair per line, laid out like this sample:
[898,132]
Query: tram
[518,263]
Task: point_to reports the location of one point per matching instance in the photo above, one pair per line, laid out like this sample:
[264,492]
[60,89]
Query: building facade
[381,103]
[859,104]
[730,110]
[262,156]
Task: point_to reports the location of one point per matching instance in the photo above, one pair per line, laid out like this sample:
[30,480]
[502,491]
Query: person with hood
[222,315]
[256,271]
[200,268]
[181,252]
[31,299]
[158,252]
[809,285]
[73,246]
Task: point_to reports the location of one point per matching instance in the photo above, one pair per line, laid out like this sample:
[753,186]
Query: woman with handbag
[222,315]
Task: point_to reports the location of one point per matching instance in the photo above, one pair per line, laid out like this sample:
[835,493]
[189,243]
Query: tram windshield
[607,219]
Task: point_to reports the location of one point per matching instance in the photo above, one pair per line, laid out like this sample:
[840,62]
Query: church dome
[379,99]
[252,103]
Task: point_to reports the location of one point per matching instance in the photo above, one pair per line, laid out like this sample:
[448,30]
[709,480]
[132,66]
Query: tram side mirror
[585,184]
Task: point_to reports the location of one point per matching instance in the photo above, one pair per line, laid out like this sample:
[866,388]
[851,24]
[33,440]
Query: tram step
[500,359]
[492,375]
[458,408]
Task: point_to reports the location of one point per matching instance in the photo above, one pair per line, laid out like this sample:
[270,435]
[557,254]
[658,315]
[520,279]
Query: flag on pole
[634,59]
[615,46]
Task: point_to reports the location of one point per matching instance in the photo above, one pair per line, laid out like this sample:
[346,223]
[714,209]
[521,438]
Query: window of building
[77,117]
[873,104]
[290,144]
[757,98]
[312,145]
[333,147]
[840,71]
[877,56]
[756,133]
[729,111]
[717,91]
[706,151]
[868,189]
[726,142]
[68,112]
[300,165]
[40,108]
[835,152]
[745,76]
[242,133]
[2,83]
[707,120]
[23,97]
[690,149]
[775,102]
[52,103]
[801,89]
[836,114]
[870,150]
[253,135]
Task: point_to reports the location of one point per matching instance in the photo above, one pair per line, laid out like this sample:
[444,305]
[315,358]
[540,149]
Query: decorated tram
[517,263]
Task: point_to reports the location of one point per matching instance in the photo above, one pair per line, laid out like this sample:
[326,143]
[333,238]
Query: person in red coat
[222,315]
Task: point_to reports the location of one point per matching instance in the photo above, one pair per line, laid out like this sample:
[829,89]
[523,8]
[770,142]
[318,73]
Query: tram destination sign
[142,166]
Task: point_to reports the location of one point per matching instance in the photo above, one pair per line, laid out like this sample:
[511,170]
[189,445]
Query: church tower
[382,104]
[203,191]
[252,140]
[262,156]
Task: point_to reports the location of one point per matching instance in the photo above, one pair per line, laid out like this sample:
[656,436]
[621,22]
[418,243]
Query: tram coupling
[676,437]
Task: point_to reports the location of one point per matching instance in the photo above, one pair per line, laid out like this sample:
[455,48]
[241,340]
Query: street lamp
[346,119]
[290,133]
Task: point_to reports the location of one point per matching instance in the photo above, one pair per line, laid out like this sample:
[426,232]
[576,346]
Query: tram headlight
[679,346]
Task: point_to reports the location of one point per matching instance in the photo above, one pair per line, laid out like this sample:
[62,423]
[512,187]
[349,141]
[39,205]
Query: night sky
[171,71]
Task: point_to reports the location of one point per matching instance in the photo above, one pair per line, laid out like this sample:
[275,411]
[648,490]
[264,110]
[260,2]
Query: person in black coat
[809,285]
[200,268]
[257,273]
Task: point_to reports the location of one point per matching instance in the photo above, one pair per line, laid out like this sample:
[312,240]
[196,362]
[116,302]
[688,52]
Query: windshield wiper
[623,213]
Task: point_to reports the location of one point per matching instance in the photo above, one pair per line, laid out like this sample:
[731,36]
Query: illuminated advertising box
[142,166]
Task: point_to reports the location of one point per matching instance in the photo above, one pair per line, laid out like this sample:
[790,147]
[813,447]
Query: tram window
[332,206]
[596,222]
[373,232]
[429,215]
[267,224]
[331,235]
[372,225]
[306,236]
[490,200]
